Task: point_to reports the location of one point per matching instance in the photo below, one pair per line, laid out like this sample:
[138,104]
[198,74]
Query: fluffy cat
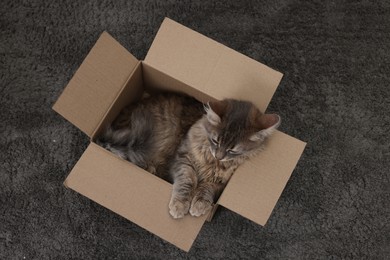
[171,136]
[229,133]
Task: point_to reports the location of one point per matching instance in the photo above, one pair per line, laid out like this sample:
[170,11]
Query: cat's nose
[219,155]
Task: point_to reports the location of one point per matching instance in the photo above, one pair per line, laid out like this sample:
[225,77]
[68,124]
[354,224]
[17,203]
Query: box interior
[145,79]
[261,181]
[132,193]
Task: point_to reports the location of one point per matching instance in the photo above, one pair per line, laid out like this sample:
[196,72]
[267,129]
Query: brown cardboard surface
[96,84]
[155,79]
[132,193]
[256,186]
[131,92]
[211,67]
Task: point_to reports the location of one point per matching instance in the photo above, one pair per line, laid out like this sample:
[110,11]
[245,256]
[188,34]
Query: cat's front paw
[178,209]
[200,207]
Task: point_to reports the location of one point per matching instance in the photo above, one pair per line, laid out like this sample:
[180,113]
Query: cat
[195,146]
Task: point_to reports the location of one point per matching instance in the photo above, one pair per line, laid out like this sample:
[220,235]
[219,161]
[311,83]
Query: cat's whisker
[212,152]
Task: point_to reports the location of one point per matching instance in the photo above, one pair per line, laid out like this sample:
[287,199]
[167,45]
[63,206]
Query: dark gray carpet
[334,95]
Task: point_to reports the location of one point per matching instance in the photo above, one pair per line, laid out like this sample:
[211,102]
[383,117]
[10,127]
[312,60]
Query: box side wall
[256,186]
[132,193]
[144,78]
[131,92]
[156,80]
[211,67]
[96,84]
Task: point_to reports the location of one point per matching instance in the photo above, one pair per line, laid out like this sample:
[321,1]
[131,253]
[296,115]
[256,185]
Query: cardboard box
[180,60]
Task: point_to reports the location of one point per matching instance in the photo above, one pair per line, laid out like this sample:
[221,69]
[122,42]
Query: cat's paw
[200,207]
[178,209]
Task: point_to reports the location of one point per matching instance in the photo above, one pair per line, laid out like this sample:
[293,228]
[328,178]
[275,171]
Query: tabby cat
[171,136]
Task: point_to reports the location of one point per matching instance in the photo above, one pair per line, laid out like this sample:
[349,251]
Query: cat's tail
[132,144]
[115,141]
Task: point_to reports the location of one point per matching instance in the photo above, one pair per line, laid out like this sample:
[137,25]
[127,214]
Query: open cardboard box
[179,60]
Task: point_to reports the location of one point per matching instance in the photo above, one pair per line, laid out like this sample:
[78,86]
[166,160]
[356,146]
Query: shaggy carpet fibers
[334,95]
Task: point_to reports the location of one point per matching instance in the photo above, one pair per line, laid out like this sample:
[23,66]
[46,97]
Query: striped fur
[170,136]
[201,168]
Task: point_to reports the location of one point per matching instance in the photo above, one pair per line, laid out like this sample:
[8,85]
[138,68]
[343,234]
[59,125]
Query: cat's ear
[268,123]
[215,111]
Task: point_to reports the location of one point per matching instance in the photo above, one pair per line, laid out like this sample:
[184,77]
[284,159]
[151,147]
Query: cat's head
[237,129]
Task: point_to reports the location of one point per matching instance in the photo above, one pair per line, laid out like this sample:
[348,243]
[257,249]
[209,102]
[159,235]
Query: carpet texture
[334,95]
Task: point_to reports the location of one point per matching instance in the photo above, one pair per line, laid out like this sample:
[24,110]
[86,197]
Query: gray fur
[149,132]
[153,135]
[201,169]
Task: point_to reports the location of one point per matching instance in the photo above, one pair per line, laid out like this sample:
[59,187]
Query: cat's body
[149,132]
[168,136]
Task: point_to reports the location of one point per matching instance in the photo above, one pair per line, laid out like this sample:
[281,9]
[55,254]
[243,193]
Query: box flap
[256,186]
[96,84]
[132,193]
[211,67]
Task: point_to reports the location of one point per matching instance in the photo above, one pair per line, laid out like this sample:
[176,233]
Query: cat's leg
[184,183]
[204,197]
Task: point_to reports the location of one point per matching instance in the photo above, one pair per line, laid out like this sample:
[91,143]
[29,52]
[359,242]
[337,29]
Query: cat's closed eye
[233,152]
